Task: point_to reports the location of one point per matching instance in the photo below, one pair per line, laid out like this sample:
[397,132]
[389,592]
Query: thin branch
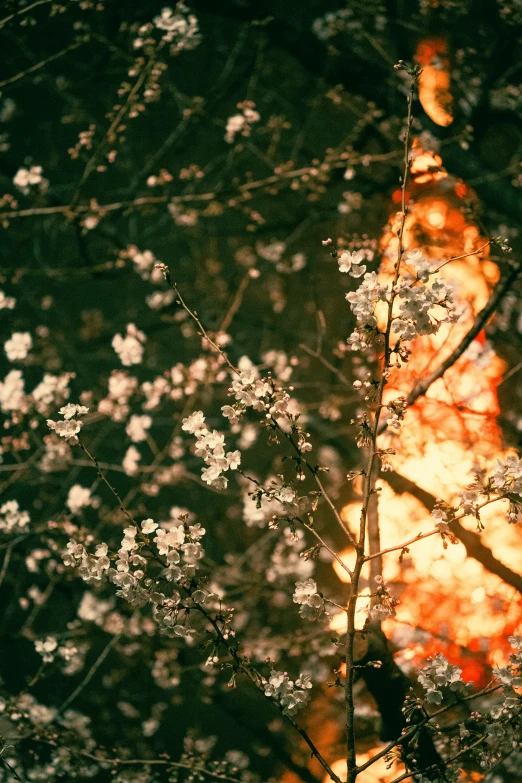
[480,321]
[413,729]
[316,355]
[107,483]
[41,64]
[90,674]
[108,136]
[369,479]
[245,188]
[472,541]
[241,663]
[23,11]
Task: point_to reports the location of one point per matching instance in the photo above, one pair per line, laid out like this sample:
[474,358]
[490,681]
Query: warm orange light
[434,81]
[377,773]
[436,215]
[445,433]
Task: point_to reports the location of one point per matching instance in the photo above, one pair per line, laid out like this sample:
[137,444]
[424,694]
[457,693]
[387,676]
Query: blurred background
[229,152]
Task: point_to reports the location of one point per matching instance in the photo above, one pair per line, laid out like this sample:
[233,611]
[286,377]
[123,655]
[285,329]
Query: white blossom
[130,347]
[289,695]
[79,497]
[6,302]
[131,460]
[12,391]
[311,604]
[507,475]
[350,262]
[137,428]
[46,648]
[241,123]
[18,346]
[70,410]
[439,673]
[24,179]
[148,526]
[11,518]
[65,429]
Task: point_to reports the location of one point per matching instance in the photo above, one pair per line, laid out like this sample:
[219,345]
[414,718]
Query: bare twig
[90,674]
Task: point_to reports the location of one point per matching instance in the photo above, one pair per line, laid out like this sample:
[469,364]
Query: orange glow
[434,81]
[447,433]
[377,773]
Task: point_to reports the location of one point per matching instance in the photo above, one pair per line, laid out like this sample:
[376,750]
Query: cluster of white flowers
[46,648]
[421,307]
[11,518]
[507,475]
[346,20]
[131,460]
[262,395]
[469,500]
[440,518]
[263,505]
[181,28]
[258,511]
[160,299]
[396,411]
[512,674]
[93,609]
[362,303]
[352,201]
[121,388]
[6,302]
[351,263]
[291,696]
[18,346]
[311,604]
[423,267]
[79,497]
[286,562]
[241,123]
[179,548]
[49,648]
[25,179]
[51,390]
[154,391]
[439,673]
[12,392]
[280,364]
[130,347]
[69,427]
[137,427]
[272,252]
[90,567]
[145,263]
[210,446]
[417,303]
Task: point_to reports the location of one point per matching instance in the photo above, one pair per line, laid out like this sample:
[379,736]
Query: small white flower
[148,526]
[70,410]
[194,423]
[349,262]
